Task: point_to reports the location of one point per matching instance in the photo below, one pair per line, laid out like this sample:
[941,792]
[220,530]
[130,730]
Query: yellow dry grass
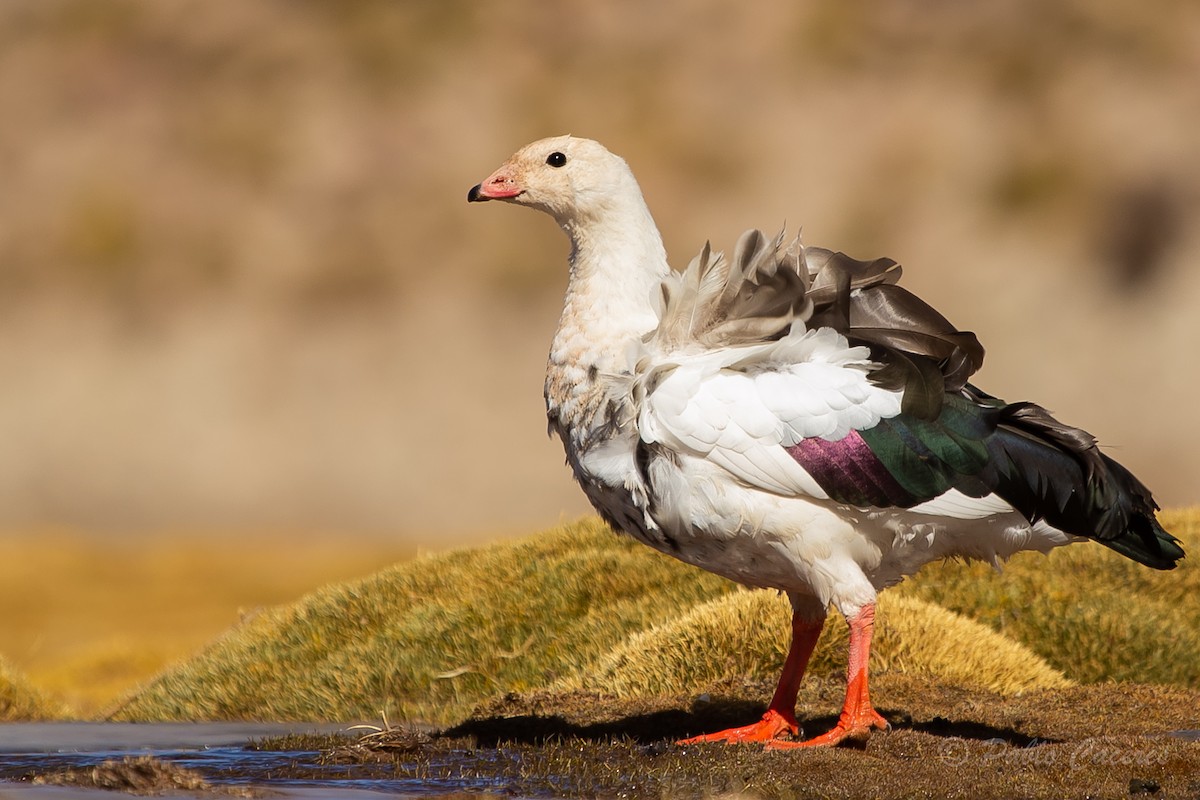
[1088,611]
[19,701]
[430,638]
[576,605]
[745,634]
[89,616]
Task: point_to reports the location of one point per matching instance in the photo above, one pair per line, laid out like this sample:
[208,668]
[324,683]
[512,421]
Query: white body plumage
[715,486]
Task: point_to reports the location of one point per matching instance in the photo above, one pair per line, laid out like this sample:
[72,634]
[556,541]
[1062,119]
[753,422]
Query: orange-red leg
[858,717]
[780,719]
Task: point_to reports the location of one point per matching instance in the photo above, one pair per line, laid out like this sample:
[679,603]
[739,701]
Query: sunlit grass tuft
[19,701]
[745,634]
[1088,611]
[429,638]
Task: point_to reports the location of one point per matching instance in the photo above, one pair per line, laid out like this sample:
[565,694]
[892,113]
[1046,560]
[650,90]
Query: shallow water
[220,752]
[57,737]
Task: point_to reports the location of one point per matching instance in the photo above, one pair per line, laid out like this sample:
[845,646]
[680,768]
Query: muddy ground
[1111,740]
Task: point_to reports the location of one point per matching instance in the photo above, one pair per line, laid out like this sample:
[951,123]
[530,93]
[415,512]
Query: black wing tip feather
[1148,543]
[1056,472]
[1141,537]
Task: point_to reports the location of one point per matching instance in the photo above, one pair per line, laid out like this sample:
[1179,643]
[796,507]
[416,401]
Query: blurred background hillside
[240,286]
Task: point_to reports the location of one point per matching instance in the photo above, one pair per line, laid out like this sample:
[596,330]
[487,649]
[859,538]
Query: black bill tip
[476,195]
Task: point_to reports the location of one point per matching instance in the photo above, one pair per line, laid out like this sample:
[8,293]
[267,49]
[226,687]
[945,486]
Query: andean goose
[791,418]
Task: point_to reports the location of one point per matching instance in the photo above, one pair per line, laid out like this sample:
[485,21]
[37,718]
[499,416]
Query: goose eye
[556,159]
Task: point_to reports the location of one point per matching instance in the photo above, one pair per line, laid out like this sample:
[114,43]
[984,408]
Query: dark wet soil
[1111,740]
[140,775]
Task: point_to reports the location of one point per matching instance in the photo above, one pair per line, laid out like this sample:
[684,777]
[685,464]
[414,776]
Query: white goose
[793,419]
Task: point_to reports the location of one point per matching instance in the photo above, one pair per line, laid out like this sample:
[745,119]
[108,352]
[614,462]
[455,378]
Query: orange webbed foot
[772,727]
[857,729]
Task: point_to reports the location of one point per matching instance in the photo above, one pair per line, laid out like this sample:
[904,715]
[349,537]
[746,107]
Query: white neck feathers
[617,262]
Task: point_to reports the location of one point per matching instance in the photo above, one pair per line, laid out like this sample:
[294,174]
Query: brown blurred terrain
[240,286]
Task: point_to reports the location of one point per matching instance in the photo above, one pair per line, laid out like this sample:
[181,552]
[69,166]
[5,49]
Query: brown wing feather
[767,287]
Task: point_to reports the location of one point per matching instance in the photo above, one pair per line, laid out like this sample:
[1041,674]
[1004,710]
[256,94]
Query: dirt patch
[1111,740]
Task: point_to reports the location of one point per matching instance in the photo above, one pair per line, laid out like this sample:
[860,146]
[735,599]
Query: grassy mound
[20,702]
[745,634]
[1088,611]
[430,638]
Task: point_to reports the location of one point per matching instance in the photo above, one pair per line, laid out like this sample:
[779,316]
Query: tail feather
[1054,472]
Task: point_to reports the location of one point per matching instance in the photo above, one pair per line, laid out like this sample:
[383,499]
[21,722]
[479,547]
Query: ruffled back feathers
[769,286]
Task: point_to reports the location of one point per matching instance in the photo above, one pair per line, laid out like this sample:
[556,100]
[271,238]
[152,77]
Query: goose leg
[858,717]
[780,719]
